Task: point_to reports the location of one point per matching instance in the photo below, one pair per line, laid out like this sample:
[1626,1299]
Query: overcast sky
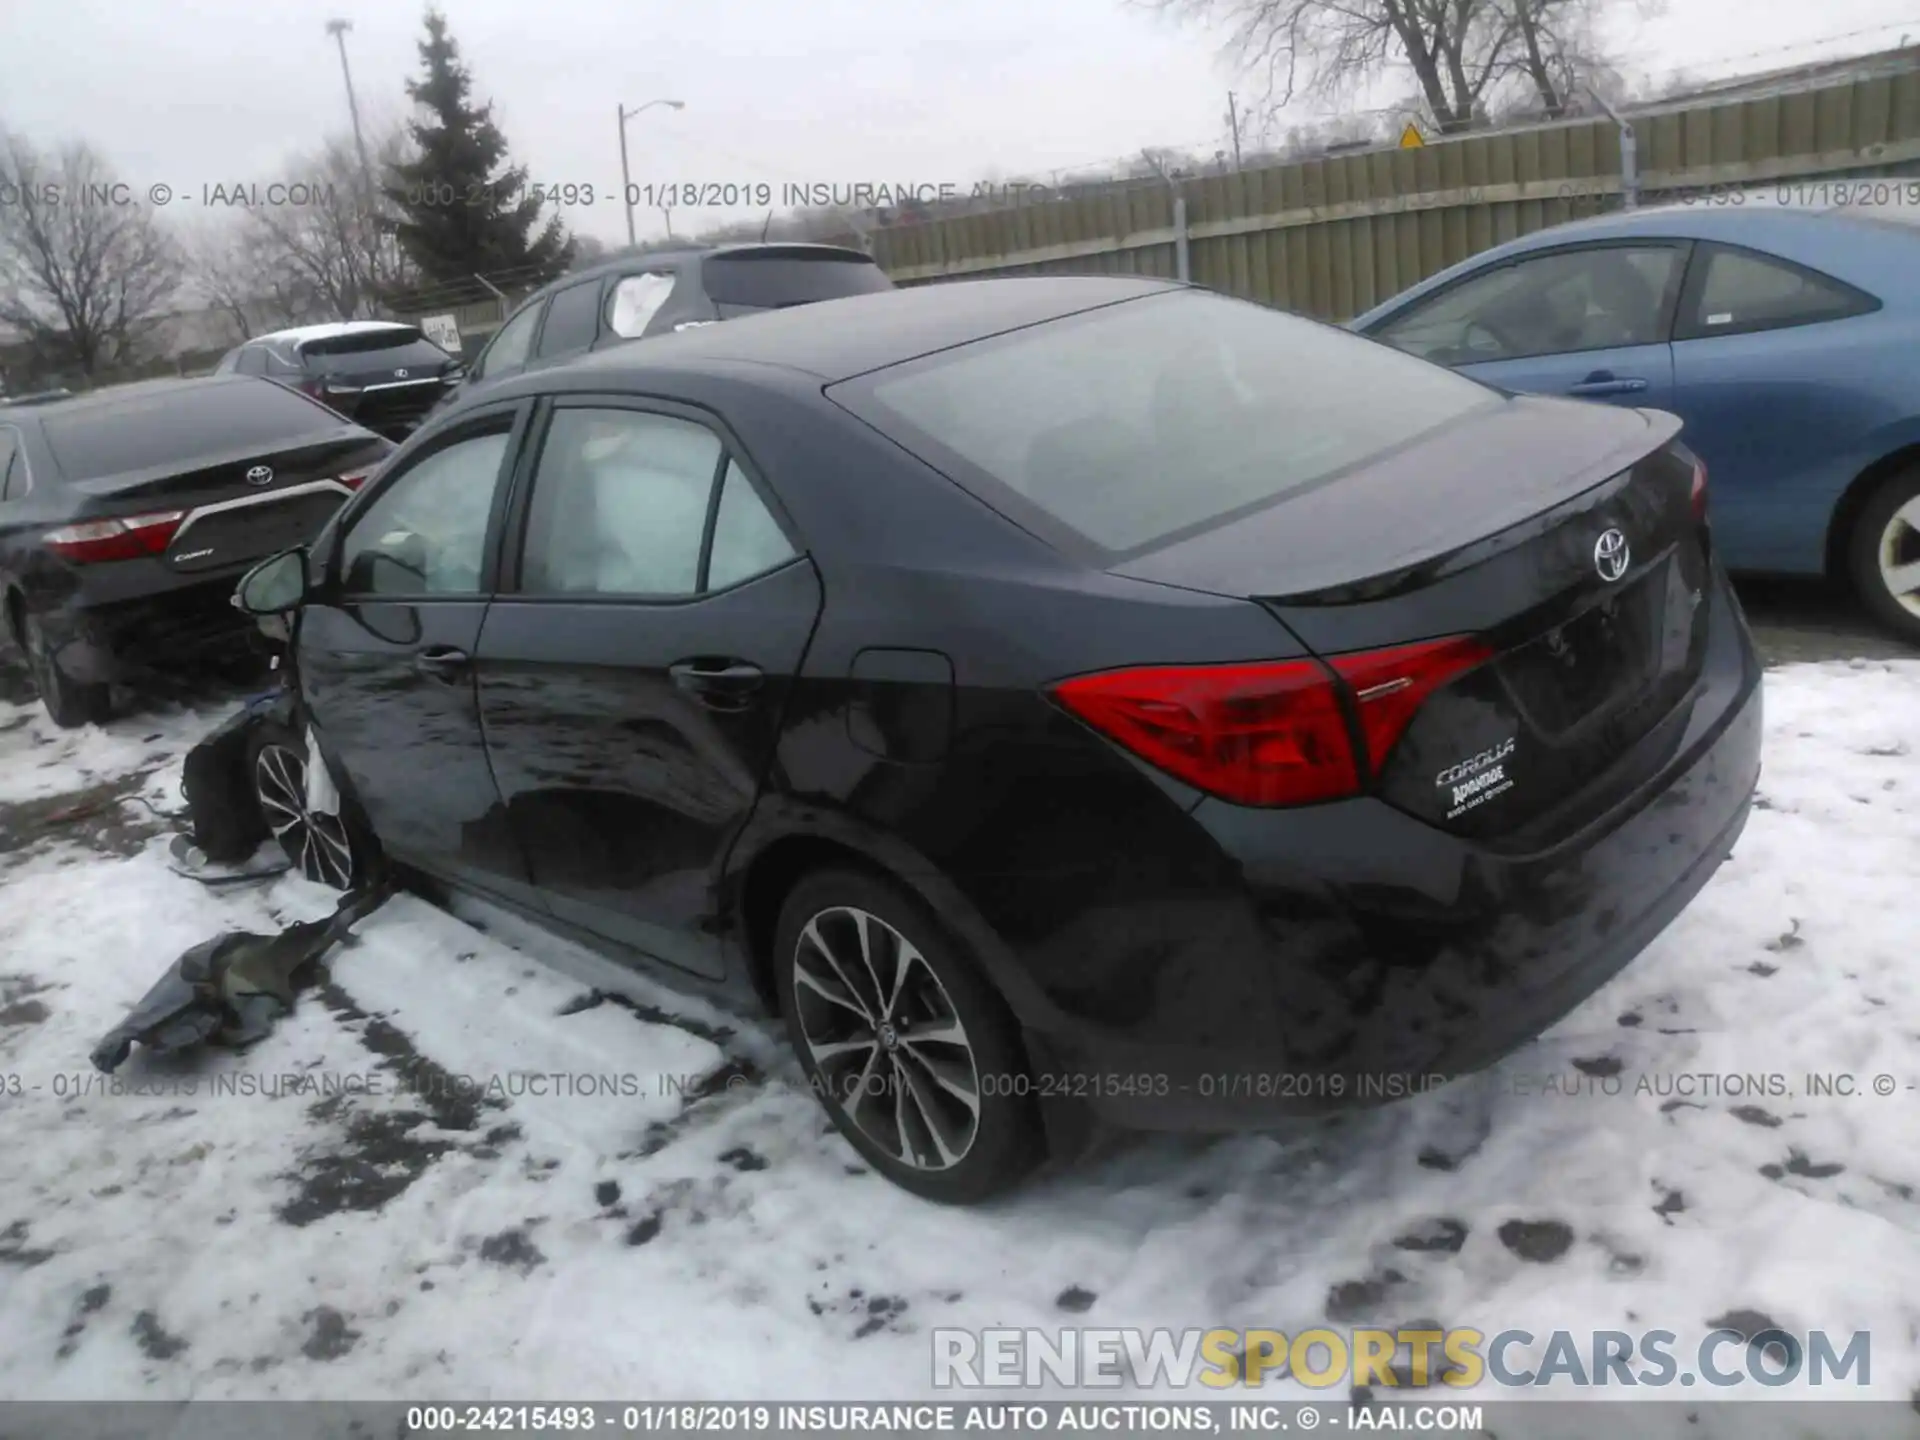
[829,91]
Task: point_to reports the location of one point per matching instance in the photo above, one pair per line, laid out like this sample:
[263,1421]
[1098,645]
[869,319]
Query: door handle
[1605,382]
[442,662]
[718,684]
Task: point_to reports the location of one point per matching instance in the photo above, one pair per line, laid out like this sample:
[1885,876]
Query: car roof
[837,339]
[300,334]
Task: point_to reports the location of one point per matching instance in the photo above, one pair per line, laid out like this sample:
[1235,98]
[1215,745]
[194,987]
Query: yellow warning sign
[1411,138]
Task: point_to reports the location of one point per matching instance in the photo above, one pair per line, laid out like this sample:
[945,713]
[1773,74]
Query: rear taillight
[1269,733]
[1389,686]
[356,480]
[1699,494]
[129,537]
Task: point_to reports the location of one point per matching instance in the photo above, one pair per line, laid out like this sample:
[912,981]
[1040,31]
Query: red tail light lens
[1699,496]
[1390,686]
[1272,733]
[127,538]
[355,480]
[1261,734]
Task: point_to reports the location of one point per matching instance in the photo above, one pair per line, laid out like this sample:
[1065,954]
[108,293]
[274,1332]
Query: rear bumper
[125,640]
[1368,957]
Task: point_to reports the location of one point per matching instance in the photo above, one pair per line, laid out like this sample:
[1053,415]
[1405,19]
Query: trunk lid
[240,508]
[1563,536]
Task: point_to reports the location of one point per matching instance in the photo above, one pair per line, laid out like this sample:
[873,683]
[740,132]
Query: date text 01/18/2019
[676,195]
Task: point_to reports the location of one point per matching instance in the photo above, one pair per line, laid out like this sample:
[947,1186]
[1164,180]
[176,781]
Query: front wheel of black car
[1885,555]
[912,1052]
[324,848]
[71,703]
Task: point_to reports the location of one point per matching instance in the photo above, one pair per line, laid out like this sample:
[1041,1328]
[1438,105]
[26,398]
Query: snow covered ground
[338,1214]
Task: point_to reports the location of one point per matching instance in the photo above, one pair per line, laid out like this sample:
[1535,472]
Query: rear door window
[573,320]
[1737,292]
[1137,422]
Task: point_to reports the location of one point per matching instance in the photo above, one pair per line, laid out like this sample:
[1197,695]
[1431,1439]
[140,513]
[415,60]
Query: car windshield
[1140,421]
[371,350]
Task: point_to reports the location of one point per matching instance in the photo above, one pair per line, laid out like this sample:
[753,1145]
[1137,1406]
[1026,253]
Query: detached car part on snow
[231,989]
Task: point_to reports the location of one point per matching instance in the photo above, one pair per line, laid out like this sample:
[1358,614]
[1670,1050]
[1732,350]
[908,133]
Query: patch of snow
[702,1233]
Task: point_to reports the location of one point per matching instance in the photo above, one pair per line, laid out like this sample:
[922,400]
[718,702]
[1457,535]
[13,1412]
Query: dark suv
[383,374]
[635,295]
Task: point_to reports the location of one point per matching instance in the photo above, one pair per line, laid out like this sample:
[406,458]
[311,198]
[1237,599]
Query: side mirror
[274,587]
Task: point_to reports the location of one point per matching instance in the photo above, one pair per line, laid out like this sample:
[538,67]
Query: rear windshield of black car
[175,428]
[742,283]
[374,350]
[1139,421]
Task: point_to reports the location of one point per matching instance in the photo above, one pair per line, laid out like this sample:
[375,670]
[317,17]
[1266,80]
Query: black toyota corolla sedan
[1053,697]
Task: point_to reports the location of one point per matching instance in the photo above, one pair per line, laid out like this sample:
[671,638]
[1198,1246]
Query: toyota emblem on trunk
[260,475]
[399,374]
[1610,555]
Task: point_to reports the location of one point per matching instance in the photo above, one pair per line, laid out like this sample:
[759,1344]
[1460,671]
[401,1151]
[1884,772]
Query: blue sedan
[1787,340]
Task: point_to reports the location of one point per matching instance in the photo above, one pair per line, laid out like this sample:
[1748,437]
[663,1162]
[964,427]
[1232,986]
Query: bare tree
[1558,52]
[334,232]
[84,263]
[1462,53]
[237,267]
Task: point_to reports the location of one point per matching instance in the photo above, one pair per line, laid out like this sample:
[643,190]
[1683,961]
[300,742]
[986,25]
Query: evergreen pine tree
[463,210]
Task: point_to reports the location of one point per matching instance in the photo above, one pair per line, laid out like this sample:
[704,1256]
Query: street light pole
[338,29]
[626,177]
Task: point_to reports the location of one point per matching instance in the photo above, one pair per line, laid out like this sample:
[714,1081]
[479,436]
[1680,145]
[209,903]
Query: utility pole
[1233,119]
[626,176]
[338,29]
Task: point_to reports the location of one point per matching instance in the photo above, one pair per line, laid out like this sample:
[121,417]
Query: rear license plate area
[1592,664]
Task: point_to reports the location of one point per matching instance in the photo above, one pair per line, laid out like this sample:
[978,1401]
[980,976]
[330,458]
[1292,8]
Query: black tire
[335,851]
[1888,532]
[71,703]
[911,1124]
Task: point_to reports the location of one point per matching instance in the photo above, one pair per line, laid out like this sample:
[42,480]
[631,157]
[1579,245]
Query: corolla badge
[260,475]
[1611,555]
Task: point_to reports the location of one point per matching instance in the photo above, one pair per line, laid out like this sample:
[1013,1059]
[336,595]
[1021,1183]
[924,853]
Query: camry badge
[1611,555]
[260,475]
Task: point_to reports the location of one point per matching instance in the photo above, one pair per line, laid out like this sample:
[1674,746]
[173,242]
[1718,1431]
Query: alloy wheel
[885,1038]
[1899,556]
[316,843]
